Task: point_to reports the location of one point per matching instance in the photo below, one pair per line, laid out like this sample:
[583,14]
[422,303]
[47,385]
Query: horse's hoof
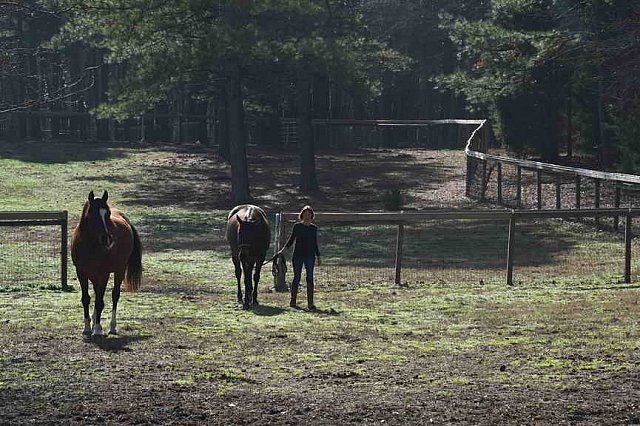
[246,306]
[86,332]
[97,331]
[113,332]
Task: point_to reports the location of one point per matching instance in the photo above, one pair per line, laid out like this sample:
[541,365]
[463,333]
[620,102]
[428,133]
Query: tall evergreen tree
[204,44]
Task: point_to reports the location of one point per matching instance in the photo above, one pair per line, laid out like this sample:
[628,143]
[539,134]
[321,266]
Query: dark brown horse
[249,235]
[104,242]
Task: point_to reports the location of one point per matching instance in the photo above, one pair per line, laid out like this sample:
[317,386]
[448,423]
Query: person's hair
[304,209]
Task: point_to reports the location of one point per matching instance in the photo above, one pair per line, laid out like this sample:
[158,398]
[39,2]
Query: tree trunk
[237,139]
[308,179]
[223,126]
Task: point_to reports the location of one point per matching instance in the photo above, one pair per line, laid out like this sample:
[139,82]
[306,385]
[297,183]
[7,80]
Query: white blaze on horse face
[103,214]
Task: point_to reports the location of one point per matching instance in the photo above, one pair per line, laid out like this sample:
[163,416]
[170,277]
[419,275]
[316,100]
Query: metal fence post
[511,248]
[64,253]
[627,248]
[280,280]
[399,244]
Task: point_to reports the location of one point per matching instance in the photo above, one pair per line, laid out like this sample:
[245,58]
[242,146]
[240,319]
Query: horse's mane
[85,213]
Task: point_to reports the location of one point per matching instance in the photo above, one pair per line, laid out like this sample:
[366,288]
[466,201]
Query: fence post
[577,191]
[467,189]
[616,204]
[539,185]
[280,284]
[499,182]
[399,243]
[519,187]
[597,200]
[558,197]
[511,248]
[627,248]
[64,253]
[483,188]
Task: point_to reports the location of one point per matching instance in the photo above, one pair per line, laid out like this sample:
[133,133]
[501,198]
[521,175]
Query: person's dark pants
[308,262]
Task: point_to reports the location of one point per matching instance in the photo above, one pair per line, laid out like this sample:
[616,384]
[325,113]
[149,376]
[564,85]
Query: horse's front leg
[86,299]
[99,288]
[115,297]
[238,268]
[248,287]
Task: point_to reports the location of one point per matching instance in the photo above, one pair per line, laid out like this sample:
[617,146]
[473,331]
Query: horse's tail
[134,265]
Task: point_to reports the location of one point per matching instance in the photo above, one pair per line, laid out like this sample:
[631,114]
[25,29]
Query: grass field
[562,346]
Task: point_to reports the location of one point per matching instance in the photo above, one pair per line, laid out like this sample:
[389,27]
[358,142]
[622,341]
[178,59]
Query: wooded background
[558,79]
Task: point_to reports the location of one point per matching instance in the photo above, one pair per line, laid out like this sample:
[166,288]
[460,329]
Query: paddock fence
[431,247]
[33,249]
[362,133]
[526,184]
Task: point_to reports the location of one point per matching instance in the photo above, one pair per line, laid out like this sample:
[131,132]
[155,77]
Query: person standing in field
[305,253]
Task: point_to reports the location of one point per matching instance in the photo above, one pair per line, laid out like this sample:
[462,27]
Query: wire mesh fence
[29,257]
[464,250]
[33,250]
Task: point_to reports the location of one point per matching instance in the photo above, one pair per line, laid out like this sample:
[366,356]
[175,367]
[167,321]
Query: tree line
[554,76]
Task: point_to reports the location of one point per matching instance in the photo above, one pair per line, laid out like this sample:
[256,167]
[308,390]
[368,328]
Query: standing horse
[104,242]
[249,235]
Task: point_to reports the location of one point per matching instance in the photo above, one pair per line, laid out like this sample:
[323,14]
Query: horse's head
[96,219]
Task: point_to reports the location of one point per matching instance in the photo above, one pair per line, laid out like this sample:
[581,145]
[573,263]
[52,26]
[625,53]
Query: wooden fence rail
[512,217]
[484,162]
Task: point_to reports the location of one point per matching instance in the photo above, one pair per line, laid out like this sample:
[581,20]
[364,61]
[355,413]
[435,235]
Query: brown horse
[249,235]
[104,242]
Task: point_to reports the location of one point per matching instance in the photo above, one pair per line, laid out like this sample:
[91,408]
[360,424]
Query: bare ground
[195,358]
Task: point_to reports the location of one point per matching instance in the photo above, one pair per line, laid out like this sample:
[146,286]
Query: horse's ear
[105,196]
[91,197]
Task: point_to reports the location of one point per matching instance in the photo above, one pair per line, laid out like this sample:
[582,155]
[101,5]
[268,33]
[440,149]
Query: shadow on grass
[114,343]
[267,311]
[62,152]
[324,312]
[443,244]
[622,286]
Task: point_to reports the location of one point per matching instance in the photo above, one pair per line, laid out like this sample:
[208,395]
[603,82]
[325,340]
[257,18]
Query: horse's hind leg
[115,297]
[256,280]
[248,291]
[86,299]
[238,268]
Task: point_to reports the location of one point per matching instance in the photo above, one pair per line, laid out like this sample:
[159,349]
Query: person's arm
[291,239]
[317,249]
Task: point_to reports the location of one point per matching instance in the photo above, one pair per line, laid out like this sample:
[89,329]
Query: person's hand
[318,261]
